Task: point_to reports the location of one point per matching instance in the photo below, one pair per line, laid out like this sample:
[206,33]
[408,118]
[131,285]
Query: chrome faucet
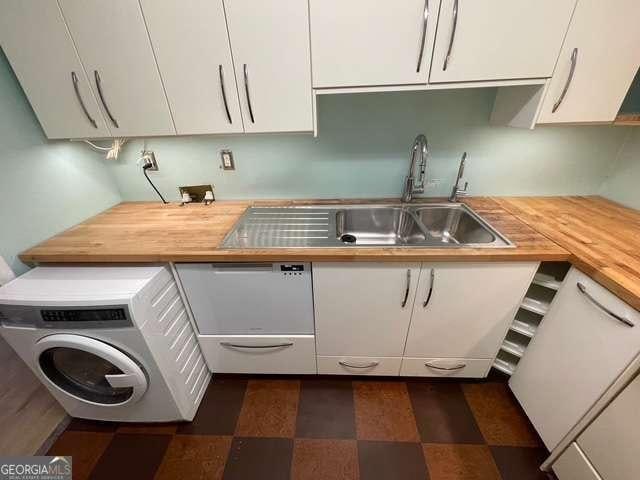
[457,191]
[420,149]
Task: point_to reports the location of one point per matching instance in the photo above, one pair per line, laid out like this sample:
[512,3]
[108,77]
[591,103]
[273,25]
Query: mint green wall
[623,184]
[363,146]
[45,187]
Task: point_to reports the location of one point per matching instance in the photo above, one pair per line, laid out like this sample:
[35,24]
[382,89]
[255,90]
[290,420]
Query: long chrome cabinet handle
[364,365]
[456,367]
[104,103]
[273,345]
[406,290]
[425,18]
[430,292]
[574,62]
[246,91]
[74,79]
[454,26]
[621,319]
[224,93]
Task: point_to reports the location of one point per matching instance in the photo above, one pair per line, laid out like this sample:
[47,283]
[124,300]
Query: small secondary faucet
[420,148]
[457,191]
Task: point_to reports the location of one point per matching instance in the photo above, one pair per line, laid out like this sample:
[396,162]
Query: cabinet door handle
[574,62]
[96,75]
[433,279]
[74,79]
[224,93]
[246,92]
[455,367]
[425,18]
[454,26]
[406,290]
[583,290]
[272,345]
[362,365]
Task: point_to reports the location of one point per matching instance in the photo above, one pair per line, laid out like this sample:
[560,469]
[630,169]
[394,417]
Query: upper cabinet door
[366,43]
[35,39]
[499,39]
[270,45]
[599,59]
[113,44]
[464,310]
[192,49]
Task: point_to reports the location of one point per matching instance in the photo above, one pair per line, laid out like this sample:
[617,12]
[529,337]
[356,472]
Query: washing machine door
[90,370]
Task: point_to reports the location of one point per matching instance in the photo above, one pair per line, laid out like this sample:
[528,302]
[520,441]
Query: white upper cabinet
[363,309]
[113,44]
[599,59]
[192,49]
[372,42]
[464,310]
[498,39]
[35,39]
[270,45]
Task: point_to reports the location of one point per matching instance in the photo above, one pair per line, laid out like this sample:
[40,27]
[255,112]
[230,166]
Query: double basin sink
[443,225]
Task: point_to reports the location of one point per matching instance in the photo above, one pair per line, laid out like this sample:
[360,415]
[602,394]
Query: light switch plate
[227,160]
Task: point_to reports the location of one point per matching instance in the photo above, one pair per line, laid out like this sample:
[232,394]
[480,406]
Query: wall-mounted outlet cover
[149,157]
[196,192]
[226,156]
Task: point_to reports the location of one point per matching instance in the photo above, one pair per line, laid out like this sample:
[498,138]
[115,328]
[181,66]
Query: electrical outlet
[149,157]
[227,160]
[434,182]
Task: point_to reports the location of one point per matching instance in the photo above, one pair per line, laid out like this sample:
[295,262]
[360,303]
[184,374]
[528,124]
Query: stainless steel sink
[446,225]
[378,226]
[455,225]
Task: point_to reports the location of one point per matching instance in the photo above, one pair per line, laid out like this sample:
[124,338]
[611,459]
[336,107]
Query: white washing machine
[110,343]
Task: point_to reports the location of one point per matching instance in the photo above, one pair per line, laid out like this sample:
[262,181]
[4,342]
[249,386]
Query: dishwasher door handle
[270,345]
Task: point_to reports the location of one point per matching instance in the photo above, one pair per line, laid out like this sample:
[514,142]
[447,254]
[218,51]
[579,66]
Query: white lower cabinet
[294,354]
[445,319]
[359,365]
[574,465]
[463,310]
[445,367]
[586,340]
[363,309]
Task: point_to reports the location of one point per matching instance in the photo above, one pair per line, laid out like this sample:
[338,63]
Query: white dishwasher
[252,317]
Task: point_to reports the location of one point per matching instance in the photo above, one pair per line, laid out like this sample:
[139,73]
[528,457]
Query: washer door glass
[82,374]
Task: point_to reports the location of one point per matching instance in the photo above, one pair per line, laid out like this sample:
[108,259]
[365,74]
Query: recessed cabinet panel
[498,39]
[363,309]
[603,50]
[113,44]
[270,45]
[36,41]
[192,48]
[464,310]
[364,43]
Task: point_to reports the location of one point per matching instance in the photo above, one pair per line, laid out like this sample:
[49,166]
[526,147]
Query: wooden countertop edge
[308,255]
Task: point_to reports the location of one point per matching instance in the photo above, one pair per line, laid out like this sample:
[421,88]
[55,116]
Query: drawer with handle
[359,365]
[445,367]
[293,354]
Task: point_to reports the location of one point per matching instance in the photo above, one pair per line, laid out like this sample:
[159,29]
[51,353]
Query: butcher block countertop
[600,237]
[603,237]
[152,232]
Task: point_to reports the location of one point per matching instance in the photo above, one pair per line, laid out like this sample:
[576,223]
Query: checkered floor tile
[324,428]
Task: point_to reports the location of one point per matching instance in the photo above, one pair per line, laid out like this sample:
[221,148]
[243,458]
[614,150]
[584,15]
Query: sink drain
[348,238]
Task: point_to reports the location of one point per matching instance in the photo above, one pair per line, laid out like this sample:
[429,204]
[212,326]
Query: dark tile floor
[322,428]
